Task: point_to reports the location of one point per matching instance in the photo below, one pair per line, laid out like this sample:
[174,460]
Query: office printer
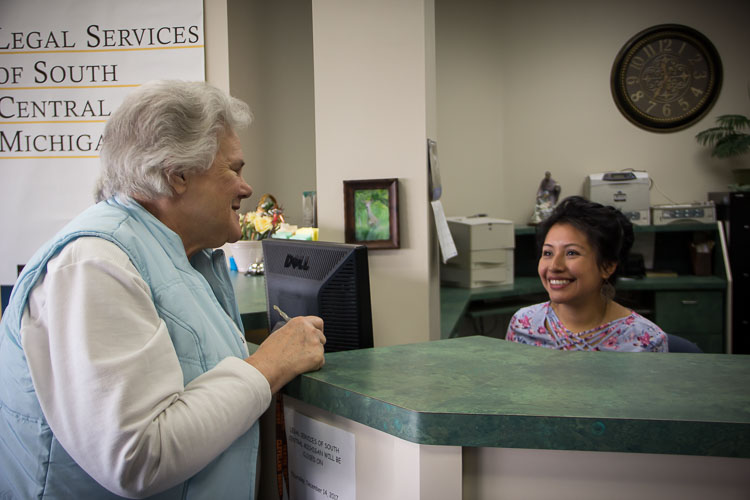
[628,191]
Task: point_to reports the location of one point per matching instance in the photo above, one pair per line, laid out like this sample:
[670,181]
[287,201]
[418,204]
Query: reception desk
[484,418]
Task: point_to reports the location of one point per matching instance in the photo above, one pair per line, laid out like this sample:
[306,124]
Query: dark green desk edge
[486,392]
[250,292]
[454,302]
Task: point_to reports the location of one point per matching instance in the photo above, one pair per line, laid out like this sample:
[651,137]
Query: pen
[283,315]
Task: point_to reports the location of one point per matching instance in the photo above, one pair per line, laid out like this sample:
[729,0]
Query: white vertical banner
[65,65]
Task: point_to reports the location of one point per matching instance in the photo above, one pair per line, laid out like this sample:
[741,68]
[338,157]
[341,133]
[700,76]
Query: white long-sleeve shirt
[109,382]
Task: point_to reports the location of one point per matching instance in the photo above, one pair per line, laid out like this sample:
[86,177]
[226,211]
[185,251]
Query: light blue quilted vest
[195,299]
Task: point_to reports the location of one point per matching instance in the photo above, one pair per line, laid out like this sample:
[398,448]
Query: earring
[607,290]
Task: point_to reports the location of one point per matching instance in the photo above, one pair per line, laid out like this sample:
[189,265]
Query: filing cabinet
[739,250]
[692,314]
[485,252]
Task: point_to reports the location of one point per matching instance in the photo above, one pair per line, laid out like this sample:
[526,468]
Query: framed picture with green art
[371,212]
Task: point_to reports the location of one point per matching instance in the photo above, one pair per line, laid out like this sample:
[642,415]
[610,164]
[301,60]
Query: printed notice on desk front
[321,459]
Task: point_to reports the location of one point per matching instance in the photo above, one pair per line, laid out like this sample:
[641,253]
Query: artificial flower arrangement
[264,222]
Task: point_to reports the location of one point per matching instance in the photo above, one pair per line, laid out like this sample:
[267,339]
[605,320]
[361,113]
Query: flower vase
[246,253]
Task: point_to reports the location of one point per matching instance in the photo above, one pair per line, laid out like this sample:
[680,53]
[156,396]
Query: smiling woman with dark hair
[582,246]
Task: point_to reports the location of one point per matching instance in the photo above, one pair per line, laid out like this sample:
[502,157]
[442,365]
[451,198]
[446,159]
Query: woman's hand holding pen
[296,347]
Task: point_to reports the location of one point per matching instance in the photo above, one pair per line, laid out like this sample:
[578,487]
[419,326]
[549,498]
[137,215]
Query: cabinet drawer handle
[687,302]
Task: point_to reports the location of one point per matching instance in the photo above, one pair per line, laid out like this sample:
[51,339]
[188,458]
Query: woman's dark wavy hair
[608,231]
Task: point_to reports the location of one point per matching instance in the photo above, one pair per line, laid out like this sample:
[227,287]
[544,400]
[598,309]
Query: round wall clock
[666,77]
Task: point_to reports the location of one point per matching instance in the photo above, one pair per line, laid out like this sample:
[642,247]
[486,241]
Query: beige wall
[523,87]
[270,67]
[374,90]
[374,76]
[217,43]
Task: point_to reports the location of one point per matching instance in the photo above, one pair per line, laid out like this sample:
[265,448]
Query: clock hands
[663,80]
[658,85]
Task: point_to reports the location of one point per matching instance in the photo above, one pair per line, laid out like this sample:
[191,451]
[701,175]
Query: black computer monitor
[325,279]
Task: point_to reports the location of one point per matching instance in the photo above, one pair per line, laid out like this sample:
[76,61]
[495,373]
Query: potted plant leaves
[729,139]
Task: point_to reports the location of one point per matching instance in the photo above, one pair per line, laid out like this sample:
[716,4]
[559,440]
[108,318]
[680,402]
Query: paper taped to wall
[447,247]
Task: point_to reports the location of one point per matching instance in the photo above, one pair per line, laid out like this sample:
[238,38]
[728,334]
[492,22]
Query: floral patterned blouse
[539,325]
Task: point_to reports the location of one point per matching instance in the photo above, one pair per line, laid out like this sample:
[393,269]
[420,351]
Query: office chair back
[680,344]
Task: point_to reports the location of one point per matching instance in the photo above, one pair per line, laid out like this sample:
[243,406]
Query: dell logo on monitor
[297,262]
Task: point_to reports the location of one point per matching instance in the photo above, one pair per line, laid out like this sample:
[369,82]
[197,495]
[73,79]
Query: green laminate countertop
[481,391]
[250,292]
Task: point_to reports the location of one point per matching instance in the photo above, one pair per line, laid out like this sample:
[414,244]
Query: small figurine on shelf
[546,199]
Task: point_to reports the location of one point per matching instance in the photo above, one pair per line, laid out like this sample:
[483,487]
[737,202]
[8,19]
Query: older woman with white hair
[125,369]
